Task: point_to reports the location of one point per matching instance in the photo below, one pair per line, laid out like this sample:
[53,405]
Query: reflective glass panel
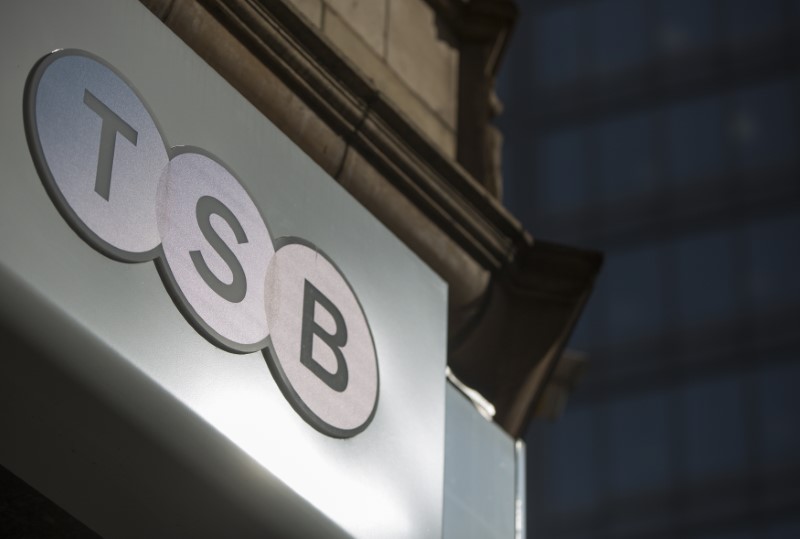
[685,25]
[618,37]
[780,402]
[561,179]
[556,50]
[627,166]
[775,253]
[714,419]
[707,269]
[639,444]
[696,140]
[632,284]
[752,19]
[764,125]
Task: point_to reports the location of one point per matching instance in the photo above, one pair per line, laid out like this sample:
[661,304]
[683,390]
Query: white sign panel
[197,256]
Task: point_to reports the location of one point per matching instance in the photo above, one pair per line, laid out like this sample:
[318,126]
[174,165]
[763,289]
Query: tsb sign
[104,163]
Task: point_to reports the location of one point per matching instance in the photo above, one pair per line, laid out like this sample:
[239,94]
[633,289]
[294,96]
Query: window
[617,35]
[627,166]
[561,182]
[696,141]
[785,530]
[731,535]
[639,444]
[572,453]
[775,256]
[557,49]
[763,126]
[780,401]
[714,419]
[706,275]
[685,25]
[632,285]
[752,19]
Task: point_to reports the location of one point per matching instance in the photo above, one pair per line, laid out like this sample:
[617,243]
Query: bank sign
[204,333]
[103,160]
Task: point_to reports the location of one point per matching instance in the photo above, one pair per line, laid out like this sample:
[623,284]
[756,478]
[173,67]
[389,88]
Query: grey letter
[311,297]
[236,290]
[112,124]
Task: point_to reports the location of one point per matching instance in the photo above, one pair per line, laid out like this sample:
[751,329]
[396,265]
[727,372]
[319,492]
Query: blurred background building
[665,133]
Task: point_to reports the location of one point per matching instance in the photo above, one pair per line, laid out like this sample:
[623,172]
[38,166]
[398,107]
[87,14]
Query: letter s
[236,290]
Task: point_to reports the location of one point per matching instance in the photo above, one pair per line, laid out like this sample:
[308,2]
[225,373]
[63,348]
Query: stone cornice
[373,126]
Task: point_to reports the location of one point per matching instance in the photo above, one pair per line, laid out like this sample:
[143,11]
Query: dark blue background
[666,133]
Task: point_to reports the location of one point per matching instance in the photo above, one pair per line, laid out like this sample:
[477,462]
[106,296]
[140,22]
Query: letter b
[336,341]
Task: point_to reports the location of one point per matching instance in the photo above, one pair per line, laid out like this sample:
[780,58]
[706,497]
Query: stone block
[366,60]
[423,52]
[310,9]
[366,17]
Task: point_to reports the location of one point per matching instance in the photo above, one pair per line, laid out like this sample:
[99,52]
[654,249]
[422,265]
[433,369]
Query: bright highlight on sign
[105,165]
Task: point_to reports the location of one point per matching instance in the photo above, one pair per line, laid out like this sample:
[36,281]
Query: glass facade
[666,133]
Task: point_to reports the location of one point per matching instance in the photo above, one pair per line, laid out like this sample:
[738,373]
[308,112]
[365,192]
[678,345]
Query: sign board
[219,276]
